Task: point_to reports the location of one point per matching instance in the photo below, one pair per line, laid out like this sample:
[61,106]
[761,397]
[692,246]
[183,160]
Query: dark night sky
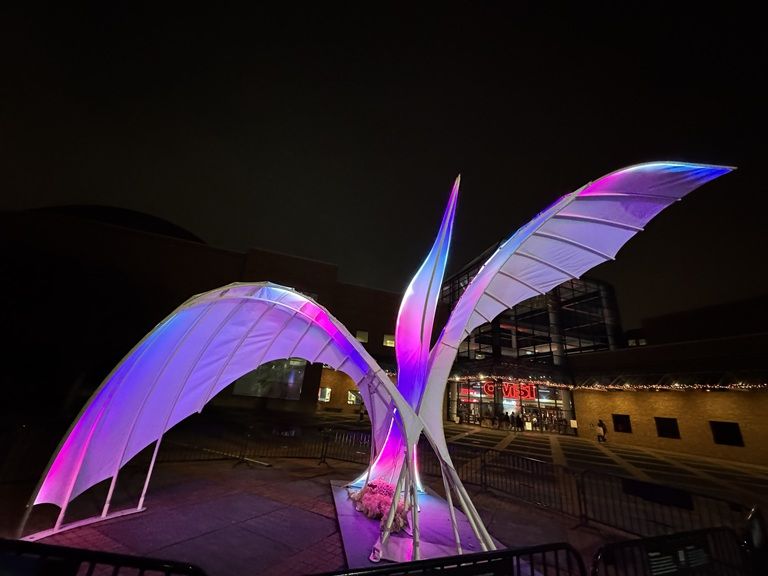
[336,134]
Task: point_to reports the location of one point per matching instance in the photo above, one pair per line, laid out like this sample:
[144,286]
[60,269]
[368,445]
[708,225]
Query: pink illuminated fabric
[413,334]
[198,350]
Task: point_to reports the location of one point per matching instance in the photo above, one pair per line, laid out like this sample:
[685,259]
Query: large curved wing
[200,348]
[579,231]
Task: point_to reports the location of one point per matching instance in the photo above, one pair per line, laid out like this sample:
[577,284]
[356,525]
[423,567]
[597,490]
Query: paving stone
[230,551]
[237,507]
[157,529]
[293,527]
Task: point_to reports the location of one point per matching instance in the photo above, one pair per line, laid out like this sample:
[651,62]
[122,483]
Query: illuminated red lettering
[511,390]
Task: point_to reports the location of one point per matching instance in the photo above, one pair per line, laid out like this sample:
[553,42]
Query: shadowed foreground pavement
[237,520]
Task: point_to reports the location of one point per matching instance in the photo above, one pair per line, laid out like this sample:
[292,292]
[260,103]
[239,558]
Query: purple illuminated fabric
[413,334]
[203,346]
[216,337]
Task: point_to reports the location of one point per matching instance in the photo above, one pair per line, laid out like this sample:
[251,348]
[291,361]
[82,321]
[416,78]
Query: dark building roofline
[124,218]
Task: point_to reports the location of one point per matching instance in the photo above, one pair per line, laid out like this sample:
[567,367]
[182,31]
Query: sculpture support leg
[460,490]
[470,516]
[149,474]
[416,534]
[452,512]
[393,507]
[108,501]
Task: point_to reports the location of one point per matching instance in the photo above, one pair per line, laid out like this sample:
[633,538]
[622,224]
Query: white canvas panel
[127,399]
[224,339]
[256,345]
[604,237]
[283,347]
[272,293]
[380,411]
[532,273]
[634,211]
[563,256]
[507,290]
[65,466]
[488,307]
[312,343]
[182,361]
[332,356]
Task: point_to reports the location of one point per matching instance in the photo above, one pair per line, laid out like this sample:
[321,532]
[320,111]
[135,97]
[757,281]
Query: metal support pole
[470,517]
[416,555]
[107,502]
[461,490]
[407,503]
[452,512]
[323,446]
[60,517]
[393,507]
[149,474]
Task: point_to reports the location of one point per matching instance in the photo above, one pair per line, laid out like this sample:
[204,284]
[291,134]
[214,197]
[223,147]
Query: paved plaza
[240,519]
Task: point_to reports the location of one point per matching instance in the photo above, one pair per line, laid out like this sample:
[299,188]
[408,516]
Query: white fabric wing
[202,347]
[581,230]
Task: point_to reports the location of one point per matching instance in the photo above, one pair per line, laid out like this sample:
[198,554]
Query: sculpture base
[359,534]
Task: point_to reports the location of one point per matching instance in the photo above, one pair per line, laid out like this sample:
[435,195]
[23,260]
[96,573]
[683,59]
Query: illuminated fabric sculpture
[216,337]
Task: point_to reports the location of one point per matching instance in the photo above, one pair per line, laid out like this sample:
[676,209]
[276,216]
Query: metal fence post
[324,445]
[483,471]
[581,496]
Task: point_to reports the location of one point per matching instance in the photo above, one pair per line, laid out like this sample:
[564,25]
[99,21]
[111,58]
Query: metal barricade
[549,560]
[715,551]
[30,558]
[649,509]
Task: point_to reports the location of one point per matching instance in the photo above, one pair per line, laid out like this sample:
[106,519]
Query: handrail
[29,558]
[558,559]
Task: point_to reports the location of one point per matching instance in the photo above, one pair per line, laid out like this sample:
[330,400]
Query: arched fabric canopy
[199,349]
[217,337]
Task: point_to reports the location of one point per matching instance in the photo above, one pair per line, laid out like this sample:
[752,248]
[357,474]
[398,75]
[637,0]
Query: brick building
[699,385]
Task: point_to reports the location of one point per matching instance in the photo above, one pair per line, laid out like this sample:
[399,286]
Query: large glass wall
[577,316]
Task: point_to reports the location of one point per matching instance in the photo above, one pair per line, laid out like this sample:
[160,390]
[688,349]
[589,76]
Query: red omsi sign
[518,391]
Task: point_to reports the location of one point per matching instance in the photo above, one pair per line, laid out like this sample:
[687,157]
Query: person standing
[602,431]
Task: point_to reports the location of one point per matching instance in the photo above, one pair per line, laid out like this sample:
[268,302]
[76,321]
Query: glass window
[667,427]
[362,336]
[324,395]
[727,433]
[353,397]
[622,423]
[278,379]
[389,340]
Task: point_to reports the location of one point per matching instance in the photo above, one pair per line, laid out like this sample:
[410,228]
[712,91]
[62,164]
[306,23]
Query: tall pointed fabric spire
[413,335]
[417,310]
